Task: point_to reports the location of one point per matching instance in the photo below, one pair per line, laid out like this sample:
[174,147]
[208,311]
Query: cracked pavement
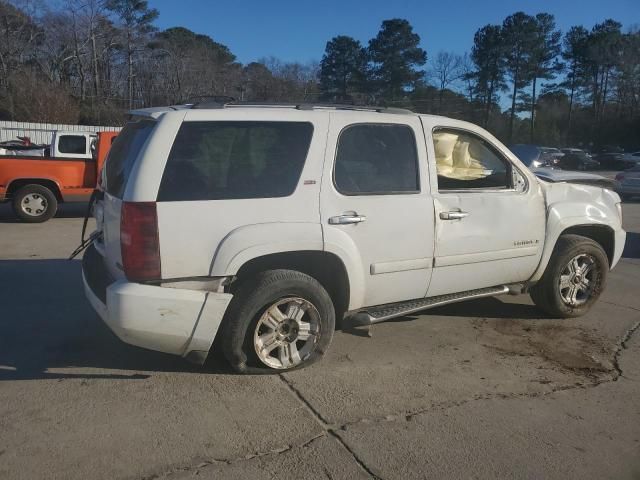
[481,389]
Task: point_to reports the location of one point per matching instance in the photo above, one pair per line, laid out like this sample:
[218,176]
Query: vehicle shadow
[65,210]
[46,323]
[632,246]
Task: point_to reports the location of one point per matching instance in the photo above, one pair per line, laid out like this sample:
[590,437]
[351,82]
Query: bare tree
[445,69]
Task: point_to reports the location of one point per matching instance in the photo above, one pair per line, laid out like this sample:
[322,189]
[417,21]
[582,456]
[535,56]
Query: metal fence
[42,133]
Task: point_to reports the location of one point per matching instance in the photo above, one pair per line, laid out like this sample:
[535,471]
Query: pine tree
[395,54]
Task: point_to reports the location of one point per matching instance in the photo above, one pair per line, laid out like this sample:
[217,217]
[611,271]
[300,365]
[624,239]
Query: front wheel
[279,320]
[34,203]
[574,278]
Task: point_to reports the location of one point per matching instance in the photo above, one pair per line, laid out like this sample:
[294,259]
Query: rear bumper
[170,320]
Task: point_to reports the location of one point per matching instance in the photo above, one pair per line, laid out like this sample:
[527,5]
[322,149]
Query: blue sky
[297,30]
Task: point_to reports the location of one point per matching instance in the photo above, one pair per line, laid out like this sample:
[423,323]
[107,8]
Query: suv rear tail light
[139,242]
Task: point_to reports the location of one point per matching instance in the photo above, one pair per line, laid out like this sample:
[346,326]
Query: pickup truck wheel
[574,278]
[280,320]
[34,203]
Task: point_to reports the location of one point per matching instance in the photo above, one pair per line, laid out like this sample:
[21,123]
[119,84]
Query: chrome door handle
[453,215]
[347,219]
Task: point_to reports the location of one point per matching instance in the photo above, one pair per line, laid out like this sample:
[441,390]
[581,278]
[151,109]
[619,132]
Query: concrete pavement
[483,389]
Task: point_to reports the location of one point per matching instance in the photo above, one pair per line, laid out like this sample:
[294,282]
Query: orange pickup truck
[35,185]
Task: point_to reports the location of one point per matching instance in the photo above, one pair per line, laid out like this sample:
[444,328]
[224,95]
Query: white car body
[404,250]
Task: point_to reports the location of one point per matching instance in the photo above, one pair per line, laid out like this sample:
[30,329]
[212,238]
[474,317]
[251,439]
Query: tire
[44,200]
[581,290]
[250,318]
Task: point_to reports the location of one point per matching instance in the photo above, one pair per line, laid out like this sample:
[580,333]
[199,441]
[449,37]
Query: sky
[298,30]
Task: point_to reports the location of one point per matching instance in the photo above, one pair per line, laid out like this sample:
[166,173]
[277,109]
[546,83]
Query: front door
[376,209]
[489,215]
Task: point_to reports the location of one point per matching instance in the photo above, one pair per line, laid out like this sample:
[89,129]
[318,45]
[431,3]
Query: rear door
[375,204]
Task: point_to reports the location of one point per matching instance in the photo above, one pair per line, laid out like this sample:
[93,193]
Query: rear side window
[123,153]
[72,144]
[234,160]
[376,159]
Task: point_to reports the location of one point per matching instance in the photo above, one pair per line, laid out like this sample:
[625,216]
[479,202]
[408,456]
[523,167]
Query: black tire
[252,298]
[546,294]
[39,215]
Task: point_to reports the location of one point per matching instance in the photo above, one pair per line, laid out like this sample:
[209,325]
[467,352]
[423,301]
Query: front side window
[234,160]
[72,144]
[466,161]
[376,159]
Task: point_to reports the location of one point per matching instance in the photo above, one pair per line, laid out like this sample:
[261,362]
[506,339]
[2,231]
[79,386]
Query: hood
[553,175]
[579,193]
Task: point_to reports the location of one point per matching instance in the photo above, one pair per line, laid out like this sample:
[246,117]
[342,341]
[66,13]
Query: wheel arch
[326,267]
[17,183]
[598,231]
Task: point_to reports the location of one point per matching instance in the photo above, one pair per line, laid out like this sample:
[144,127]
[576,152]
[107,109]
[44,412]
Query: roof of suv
[155,112]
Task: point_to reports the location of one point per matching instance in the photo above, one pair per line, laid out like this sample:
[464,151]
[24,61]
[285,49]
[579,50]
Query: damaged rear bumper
[177,321]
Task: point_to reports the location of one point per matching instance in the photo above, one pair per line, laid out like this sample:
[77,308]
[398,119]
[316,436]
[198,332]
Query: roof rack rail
[346,106]
[218,102]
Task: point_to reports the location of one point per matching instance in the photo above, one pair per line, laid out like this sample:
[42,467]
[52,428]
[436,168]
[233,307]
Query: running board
[391,310]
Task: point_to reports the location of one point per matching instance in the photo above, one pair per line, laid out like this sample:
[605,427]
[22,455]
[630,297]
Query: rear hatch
[122,157]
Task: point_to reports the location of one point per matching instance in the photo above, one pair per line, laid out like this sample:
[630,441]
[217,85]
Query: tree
[627,80]
[544,55]
[342,68]
[19,36]
[191,65]
[603,50]
[136,22]
[446,69]
[487,54]
[574,52]
[518,38]
[395,54]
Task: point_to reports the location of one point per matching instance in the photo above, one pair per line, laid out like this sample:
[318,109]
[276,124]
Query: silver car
[628,183]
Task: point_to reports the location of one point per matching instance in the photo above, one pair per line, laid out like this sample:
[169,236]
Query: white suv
[259,226]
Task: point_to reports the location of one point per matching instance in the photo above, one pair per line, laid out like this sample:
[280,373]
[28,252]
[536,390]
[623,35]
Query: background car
[614,161]
[552,155]
[533,156]
[628,183]
[633,157]
[577,159]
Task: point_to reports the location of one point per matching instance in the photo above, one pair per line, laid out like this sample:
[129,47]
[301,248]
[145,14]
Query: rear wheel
[574,278]
[279,320]
[34,203]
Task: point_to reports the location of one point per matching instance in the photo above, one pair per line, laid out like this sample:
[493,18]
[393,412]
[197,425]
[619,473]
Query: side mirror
[519,182]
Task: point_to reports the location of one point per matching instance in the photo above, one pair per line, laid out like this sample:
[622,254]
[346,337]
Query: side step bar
[391,310]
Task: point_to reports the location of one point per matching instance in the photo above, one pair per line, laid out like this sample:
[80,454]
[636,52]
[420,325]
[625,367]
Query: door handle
[453,215]
[347,219]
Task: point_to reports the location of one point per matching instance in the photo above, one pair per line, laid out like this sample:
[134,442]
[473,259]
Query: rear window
[234,160]
[123,153]
[72,144]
